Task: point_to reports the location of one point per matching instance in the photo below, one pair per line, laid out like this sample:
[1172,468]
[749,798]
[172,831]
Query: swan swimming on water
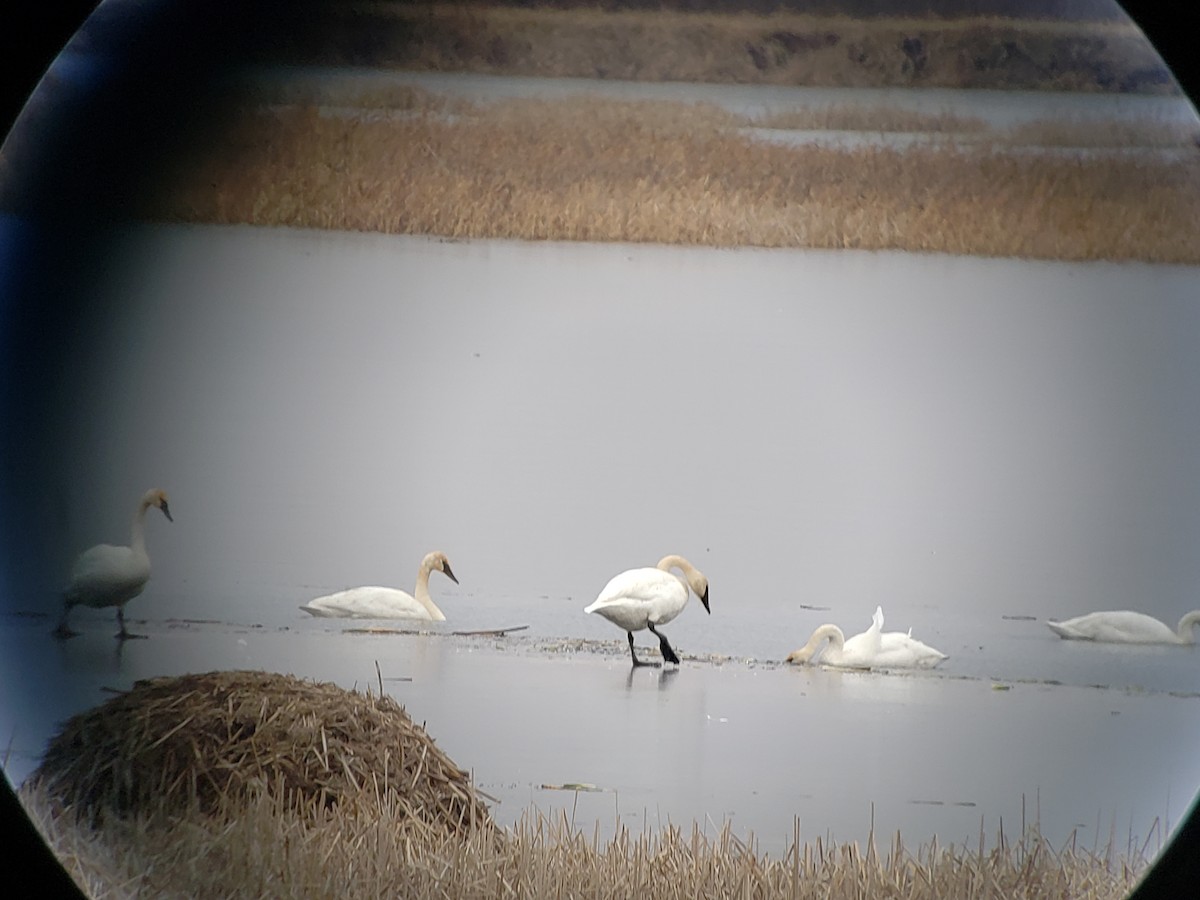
[874,648]
[106,575]
[1126,627]
[387,603]
[643,598]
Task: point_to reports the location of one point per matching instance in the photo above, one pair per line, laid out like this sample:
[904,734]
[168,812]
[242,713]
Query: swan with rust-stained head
[384,602]
[644,598]
[873,649]
[106,575]
[1126,627]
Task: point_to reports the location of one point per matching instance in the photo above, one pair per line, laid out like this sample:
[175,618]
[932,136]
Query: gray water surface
[758,747]
[976,445]
[1000,109]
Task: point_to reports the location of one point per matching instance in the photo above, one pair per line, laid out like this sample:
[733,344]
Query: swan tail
[1061,630]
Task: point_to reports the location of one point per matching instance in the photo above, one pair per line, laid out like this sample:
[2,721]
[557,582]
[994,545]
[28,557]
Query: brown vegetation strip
[367,848]
[254,784]
[205,741]
[674,173]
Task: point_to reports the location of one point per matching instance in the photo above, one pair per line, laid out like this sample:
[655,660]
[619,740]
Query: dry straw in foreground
[249,784]
[208,741]
[366,848]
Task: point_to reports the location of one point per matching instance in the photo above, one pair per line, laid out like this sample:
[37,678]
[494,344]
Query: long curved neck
[667,563]
[421,592]
[691,579]
[1186,624]
[837,640]
[830,633]
[137,537]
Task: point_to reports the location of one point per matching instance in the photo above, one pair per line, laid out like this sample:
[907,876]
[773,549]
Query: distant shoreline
[771,46]
[412,161]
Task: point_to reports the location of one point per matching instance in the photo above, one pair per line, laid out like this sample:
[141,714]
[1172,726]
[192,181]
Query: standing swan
[1125,627]
[105,575]
[643,598]
[874,648]
[387,603]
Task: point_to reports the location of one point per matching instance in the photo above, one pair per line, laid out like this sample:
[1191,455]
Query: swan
[105,575]
[874,648]
[1125,627]
[643,598]
[387,603]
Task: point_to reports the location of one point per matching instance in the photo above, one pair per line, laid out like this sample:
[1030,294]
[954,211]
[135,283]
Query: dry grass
[261,847]
[207,741]
[677,173]
[251,784]
[674,173]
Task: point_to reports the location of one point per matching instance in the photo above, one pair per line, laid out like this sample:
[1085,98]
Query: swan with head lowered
[387,603]
[644,598]
[106,575]
[873,649]
[1126,627]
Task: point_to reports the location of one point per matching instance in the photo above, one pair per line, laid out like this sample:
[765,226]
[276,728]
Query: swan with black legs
[649,597]
[107,575]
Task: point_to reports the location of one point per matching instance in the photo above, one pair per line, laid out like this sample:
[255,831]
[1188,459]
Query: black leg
[636,661]
[62,632]
[663,645]
[123,634]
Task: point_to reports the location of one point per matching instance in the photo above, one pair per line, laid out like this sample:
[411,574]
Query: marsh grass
[206,740]
[310,791]
[262,847]
[322,155]
[673,173]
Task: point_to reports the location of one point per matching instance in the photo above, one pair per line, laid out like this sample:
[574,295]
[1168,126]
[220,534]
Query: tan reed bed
[206,741]
[674,173]
[364,847]
[237,784]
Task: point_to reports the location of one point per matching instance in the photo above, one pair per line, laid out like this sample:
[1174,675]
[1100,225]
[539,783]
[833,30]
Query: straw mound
[219,737]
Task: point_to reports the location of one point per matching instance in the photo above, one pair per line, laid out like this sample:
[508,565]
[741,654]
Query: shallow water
[757,746]
[1000,109]
[977,445]
[905,140]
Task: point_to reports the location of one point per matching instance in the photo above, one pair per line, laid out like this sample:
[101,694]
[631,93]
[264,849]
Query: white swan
[643,598]
[105,575]
[1125,627]
[874,648]
[387,603]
